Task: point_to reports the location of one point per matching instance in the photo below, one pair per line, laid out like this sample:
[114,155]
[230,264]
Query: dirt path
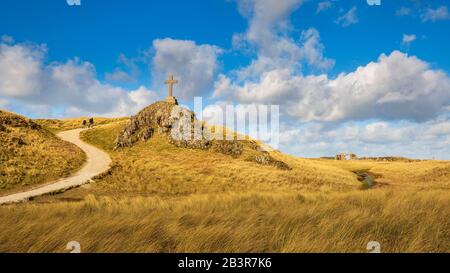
[97,162]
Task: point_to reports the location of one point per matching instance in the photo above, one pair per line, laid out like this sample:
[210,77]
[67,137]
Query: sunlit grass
[30,156]
[160,198]
[157,167]
[58,125]
[231,222]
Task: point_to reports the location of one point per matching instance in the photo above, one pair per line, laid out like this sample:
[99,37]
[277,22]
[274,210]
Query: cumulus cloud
[395,87]
[267,20]
[440,13]
[441,128]
[348,18]
[27,79]
[312,50]
[268,33]
[194,66]
[21,62]
[376,110]
[375,138]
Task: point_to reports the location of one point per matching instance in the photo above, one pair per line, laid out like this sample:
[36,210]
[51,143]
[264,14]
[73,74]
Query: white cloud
[437,14]
[408,38]
[377,138]
[266,18]
[267,23]
[312,50]
[395,87]
[21,69]
[194,66]
[349,18]
[376,110]
[322,6]
[382,132]
[71,87]
[268,33]
[141,97]
[438,129]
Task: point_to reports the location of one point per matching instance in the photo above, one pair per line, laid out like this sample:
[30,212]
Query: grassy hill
[158,197]
[157,167]
[58,125]
[31,155]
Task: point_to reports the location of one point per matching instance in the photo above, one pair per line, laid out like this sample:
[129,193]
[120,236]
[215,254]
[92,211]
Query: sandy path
[98,162]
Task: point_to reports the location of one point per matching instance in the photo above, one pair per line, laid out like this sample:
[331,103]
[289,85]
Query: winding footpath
[97,162]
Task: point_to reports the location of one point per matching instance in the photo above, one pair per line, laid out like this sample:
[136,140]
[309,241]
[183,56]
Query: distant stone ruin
[346,156]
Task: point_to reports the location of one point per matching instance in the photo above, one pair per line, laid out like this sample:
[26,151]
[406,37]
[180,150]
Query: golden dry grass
[402,174]
[247,222]
[58,125]
[157,167]
[30,155]
[159,198]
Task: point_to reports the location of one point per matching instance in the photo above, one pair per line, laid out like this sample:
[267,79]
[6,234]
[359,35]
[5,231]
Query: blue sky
[110,57]
[98,32]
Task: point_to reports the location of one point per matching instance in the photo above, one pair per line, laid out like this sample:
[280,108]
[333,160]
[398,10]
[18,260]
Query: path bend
[97,162]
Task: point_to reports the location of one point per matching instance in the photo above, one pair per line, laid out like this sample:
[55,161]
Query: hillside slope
[146,161]
[157,164]
[31,155]
[160,197]
[58,125]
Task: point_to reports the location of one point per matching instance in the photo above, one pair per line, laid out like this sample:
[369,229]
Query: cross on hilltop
[171,81]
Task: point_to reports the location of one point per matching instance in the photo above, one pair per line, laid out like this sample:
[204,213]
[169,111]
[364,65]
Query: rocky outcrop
[177,123]
[143,125]
[265,159]
[183,130]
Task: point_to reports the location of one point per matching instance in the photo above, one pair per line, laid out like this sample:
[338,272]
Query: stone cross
[171,82]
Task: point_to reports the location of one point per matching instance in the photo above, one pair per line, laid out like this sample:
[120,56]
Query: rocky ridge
[181,128]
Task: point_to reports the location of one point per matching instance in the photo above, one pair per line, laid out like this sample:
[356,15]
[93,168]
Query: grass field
[157,167]
[159,198]
[58,125]
[400,175]
[231,222]
[30,155]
